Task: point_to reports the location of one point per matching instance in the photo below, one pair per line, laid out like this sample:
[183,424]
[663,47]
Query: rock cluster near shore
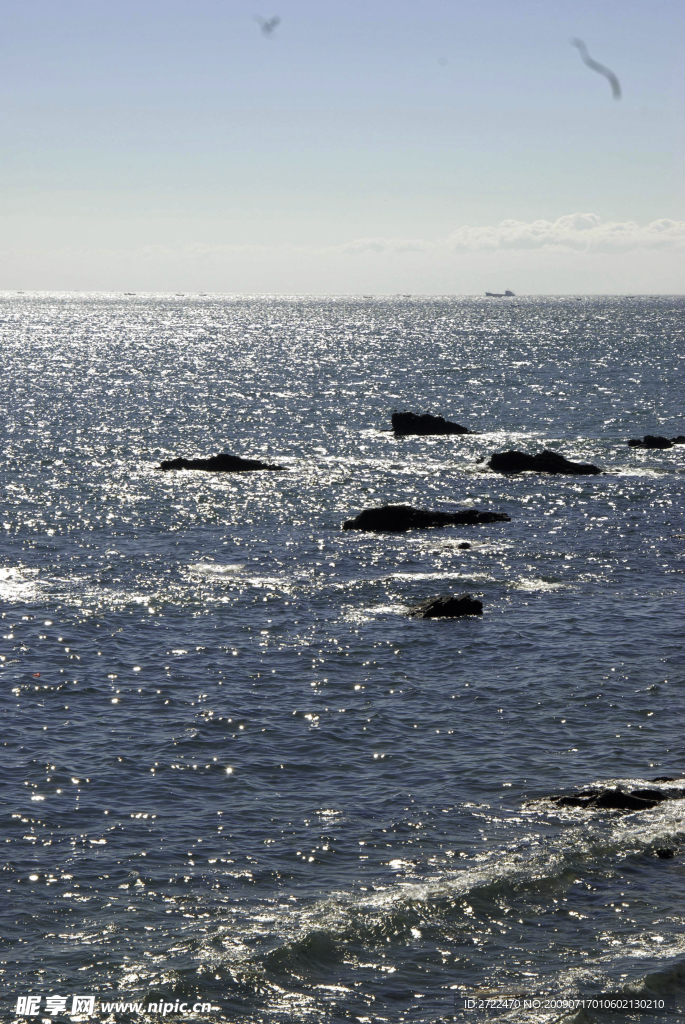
[409,423]
[615,798]
[223,463]
[400,518]
[446,606]
[656,441]
[544,462]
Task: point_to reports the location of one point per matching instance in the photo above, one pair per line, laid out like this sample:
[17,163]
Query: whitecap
[528,583]
[18,584]
[213,569]
[368,614]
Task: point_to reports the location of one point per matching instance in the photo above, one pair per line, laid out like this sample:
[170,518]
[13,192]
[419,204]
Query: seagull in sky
[267,25]
[596,66]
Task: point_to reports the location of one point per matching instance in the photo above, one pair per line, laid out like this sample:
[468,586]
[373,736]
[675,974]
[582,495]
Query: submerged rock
[656,441]
[543,462]
[223,463]
[399,518]
[665,854]
[410,423]
[447,606]
[615,798]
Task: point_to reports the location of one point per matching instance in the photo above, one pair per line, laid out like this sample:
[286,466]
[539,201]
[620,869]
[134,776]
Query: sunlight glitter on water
[290,796]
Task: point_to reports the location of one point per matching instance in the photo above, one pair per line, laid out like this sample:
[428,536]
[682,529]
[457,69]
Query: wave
[19,584]
[298,958]
[211,569]
[412,907]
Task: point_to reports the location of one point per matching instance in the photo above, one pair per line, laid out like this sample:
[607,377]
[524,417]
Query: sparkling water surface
[233,769]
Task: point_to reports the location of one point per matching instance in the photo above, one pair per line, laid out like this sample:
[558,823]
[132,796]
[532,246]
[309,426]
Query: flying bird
[596,66]
[267,25]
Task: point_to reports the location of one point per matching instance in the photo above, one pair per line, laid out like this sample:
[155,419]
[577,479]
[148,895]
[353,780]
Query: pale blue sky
[155,143]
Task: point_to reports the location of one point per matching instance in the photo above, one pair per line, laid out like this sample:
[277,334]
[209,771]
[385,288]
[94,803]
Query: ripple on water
[233,767]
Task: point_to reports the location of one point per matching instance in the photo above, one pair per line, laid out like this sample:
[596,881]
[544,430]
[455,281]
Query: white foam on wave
[533,583]
[445,575]
[233,574]
[270,583]
[212,569]
[646,471]
[368,614]
[19,584]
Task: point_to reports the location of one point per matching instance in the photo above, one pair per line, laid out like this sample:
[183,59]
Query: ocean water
[233,769]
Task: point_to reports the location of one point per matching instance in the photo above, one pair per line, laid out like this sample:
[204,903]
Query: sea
[240,783]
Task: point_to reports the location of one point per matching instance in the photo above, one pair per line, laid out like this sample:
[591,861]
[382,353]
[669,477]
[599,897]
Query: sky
[362,146]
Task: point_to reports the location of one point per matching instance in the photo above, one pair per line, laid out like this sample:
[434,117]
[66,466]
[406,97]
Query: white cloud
[390,245]
[575,232]
[572,233]
[576,253]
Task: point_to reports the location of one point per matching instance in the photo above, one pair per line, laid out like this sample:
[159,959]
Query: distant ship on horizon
[500,295]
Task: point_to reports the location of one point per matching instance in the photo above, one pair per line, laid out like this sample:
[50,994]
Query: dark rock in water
[634,800]
[651,441]
[399,518]
[511,462]
[656,441]
[223,463]
[543,462]
[464,544]
[410,423]
[665,854]
[447,606]
[614,798]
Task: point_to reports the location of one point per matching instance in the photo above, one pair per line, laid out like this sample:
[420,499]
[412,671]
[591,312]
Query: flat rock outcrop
[400,518]
[447,606]
[618,798]
[544,462]
[411,423]
[656,441]
[223,463]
